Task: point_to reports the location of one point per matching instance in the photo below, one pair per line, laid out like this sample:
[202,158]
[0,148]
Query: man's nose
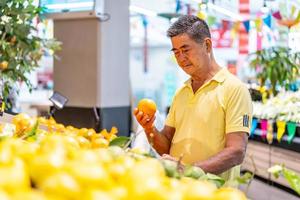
[181,56]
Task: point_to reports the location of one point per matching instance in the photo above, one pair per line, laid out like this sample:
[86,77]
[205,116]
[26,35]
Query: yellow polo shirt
[202,119]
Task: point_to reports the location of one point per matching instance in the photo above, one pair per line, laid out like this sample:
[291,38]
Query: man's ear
[208,45]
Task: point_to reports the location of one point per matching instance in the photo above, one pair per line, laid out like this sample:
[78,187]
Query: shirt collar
[219,77]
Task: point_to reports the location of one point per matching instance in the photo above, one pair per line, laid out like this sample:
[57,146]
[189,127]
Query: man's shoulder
[180,91]
[233,82]
[233,85]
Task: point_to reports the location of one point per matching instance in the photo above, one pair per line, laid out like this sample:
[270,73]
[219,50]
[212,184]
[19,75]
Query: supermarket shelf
[294,146]
[264,156]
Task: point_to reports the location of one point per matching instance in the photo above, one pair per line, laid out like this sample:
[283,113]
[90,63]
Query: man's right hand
[144,120]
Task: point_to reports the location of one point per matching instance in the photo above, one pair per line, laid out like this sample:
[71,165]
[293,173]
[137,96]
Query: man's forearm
[223,161]
[158,140]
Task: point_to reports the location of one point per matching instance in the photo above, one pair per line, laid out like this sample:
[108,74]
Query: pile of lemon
[33,129]
[56,163]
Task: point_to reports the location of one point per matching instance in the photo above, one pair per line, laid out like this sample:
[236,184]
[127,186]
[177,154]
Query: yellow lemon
[100,143]
[29,195]
[4,196]
[83,142]
[91,175]
[14,177]
[229,194]
[97,195]
[62,185]
[196,189]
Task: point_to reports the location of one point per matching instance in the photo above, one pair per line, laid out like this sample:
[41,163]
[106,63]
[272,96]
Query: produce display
[284,107]
[41,159]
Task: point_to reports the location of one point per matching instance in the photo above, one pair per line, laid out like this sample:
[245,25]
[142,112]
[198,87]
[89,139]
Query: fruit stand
[41,159]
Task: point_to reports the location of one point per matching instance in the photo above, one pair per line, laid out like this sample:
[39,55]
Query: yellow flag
[280,129]
[293,9]
[232,34]
[236,26]
[258,24]
[270,132]
[298,17]
[201,15]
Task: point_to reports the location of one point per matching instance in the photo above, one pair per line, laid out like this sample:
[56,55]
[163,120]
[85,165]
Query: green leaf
[170,168]
[279,66]
[24,53]
[193,172]
[276,170]
[33,131]
[293,179]
[245,178]
[120,141]
[217,180]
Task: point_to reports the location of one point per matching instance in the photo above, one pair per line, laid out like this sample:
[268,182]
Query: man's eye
[186,51]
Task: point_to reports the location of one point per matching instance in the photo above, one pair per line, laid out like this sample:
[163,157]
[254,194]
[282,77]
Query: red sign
[244,10]
[221,38]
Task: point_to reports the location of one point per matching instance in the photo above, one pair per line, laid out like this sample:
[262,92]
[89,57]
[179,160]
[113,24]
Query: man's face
[190,55]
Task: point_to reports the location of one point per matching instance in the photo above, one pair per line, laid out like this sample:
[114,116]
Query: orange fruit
[13,39]
[147,106]
[3,65]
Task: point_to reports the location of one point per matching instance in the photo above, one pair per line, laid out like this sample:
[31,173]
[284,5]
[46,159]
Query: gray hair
[196,28]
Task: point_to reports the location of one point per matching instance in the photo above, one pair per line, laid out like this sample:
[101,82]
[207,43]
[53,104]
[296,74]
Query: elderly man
[210,116]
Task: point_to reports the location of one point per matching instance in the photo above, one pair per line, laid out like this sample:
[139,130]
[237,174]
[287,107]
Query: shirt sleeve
[238,116]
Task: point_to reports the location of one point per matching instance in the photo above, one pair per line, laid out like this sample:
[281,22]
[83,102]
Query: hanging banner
[277,15]
[259,35]
[280,129]
[234,30]
[270,132]
[293,9]
[291,127]
[264,128]
[247,25]
[267,21]
[253,127]
[211,20]
[298,17]
[258,24]
[178,6]
[201,15]
[289,22]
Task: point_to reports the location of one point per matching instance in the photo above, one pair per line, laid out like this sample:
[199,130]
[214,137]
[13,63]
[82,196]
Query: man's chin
[189,72]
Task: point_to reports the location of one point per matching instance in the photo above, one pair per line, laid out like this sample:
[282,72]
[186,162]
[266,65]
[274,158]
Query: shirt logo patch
[246,120]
